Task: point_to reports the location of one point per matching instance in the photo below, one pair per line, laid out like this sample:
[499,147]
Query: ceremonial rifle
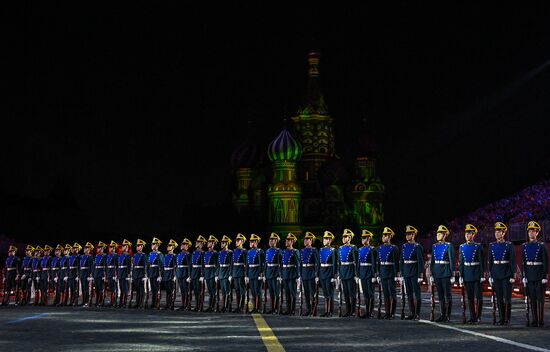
[247,297]
[526,300]
[201,298]
[300,296]
[494,303]
[218,295]
[403,294]
[463,301]
[265,295]
[359,292]
[379,299]
[432,299]
[339,297]
[316,299]
[280,283]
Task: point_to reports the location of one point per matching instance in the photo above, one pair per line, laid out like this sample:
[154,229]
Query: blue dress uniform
[348,258]
[98,273]
[139,266]
[309,273]
[85,275]
[45,267]
[255,264]
[290,274]
[366,270]
[238,273]
[72,274]
[26,278]
[111,273]
[273,262]
[210,268]
[442,266]
[197,274]
[155,269]
[64,276]
[55,278]
[412,270]
[11,271]
[535,272]
[328,262]
[36,273]
[470,267]
[124,274]
[169,276]
[388,267]
[183,270]
[223,273]
[501,269]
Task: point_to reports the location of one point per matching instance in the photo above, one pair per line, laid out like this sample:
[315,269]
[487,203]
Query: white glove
[17,277]
[66,278]
[246,279]
[491,281]
[431,280]
[453,279]
[419,280]
[128,279]
[259,278]
[378,279]
[216,278]
[524,280]
[357,280]
[159,279]
[298,282]
[144,279]
[544,281]
[482,280]
[512,280]
[23,277]
[201,279]
[90,279]
[280,279]
[37,279]
[114,278]
[263,278]
[77,279]
[461,281]
[230,278]
[373,280]
[316,280]
[55,279]
[333,280]
[397,278]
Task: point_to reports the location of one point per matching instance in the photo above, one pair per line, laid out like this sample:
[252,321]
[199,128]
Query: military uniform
[85,275]
[290,275]
[348,257]
[197,275]
[238,273]
[210,267]
[470,267]
[12,269]
[124,272]
[412,270]
[44,281]
[169,275]
[273,262]
[139,275]
[72,274]
[367,270]
[111,262]
[442,268]
[309,272]
[26,277]
[388,267]
[155,264]
[183,270]
[36,274]
[55,278]
[99,275]
[255,264]
[501,270]
[328,262]
[535,272]
[223,273]
[63,283]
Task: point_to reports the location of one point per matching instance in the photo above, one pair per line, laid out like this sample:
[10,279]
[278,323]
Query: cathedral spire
[314,101]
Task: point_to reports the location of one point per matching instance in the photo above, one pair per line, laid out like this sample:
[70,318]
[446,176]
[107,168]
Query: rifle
[201,299]
[217,298]
[463,301]
[339,298]
[300,289]
[432,298]
[265,294]
[158,296]
[379,299]
[174,293]
[359,292]
[131,290]
[189,294]
[316,299]
[494,304]
[403,294]
[90,291]
[280,283]
[147,287]
[526,299]
[247,297]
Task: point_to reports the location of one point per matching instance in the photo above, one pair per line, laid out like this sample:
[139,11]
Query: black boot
[393,307]
[473,315]
[387,309]
[501,313]
[412,309]
[238,309]
[449,307]
[508,312]
[479,310]
[417,309]
[371,308]
[535,313]
[443,316]
[540,306]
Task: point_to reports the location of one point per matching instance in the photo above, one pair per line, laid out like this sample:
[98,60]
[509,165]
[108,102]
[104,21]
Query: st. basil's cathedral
[306,186]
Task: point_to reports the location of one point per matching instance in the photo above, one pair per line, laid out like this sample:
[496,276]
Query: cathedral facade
[306,186]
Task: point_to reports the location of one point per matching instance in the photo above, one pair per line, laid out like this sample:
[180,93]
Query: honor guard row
[290,277]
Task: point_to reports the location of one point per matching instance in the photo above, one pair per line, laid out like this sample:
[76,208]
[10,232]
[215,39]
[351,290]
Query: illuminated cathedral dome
[284,148]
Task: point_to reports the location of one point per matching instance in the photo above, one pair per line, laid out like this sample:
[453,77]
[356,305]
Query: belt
[84,267]
[210,265]
[26,269]
[153,265]
[289,265]
[110,266]
[533,263]
[54,269]
[347,263]
[64,267]
[410,261]
[253,265]
[10,269]
[387,263]
[36,271]
[238,264]
[99,267]
[325,265]
[122,266]
[73,267]
[197,266]
[501,261]
[471,263]
[308,265]
[365,264]
[171,268]
[138,267]
[441,261]
[182,266]
[272,264]
[45,269]
[224,265]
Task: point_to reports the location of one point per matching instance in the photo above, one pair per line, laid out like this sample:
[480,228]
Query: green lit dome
[284,148]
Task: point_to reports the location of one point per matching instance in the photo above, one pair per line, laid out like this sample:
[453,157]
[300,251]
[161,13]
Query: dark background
[127,114]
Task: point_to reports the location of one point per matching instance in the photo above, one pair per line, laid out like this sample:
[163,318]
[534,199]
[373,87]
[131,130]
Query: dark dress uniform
[224,271]
[442,266]
[309,272]
[535,270]
[168,277]
[210,268]
[183,269]
[26,279]
[99,278]
[44,282]
[237,275]
[470,267]
[112,279]
[366,271]
[197,272]
[328,258]
[139,266]
[155,264]
[348,258]
[412,269]
[255,269]
[55,278]
[12,268]
[36,274]
[388,267]
[501,268]
[289,274]
[72,275]
[85,275]
[64,278]
[124,275]
[273,264]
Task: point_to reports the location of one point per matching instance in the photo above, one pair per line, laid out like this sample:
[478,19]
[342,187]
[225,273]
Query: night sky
[135,110]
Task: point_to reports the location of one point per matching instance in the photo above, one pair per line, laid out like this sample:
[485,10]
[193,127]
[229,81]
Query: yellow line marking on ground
[268,337]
